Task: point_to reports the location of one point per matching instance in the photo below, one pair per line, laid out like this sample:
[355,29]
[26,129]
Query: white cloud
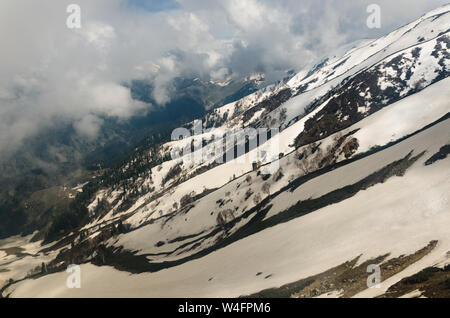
[49,72]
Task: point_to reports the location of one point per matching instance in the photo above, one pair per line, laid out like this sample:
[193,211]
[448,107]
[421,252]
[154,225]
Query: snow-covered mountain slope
[318,83]
[390,80]
[239,199]
[399,217]
[361,171]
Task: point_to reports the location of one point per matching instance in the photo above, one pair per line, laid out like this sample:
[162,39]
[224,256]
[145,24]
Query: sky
[50,73]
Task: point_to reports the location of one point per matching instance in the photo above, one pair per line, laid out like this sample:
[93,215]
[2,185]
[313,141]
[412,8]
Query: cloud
[50,73]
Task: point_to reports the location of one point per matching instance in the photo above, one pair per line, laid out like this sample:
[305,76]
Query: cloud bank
[50,73]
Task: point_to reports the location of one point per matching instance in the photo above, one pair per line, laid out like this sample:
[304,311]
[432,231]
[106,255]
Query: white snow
[398,217]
